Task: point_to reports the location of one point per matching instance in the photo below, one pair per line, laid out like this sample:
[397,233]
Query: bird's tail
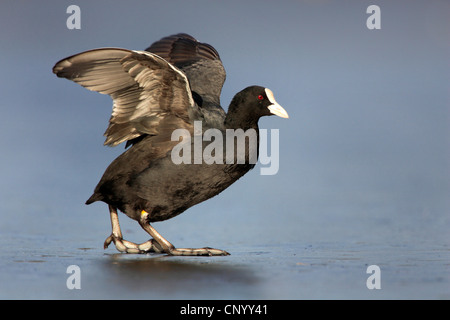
[95,197]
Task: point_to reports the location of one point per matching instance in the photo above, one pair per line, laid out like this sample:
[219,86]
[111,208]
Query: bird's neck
[237,118]
[233,123]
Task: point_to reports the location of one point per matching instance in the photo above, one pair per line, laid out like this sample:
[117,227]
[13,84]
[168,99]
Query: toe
[108,242]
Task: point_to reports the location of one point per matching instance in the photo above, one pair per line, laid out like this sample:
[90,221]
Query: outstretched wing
[181,48]
[145,88]
[199,61]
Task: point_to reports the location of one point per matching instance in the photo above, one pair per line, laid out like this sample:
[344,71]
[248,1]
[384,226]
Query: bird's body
[158,186]
[172,86]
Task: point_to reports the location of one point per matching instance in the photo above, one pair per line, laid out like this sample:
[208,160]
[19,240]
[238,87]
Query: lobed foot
[131,247]
[170,249]
[197,252]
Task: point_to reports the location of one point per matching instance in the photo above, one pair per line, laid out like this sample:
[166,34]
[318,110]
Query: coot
[174,84]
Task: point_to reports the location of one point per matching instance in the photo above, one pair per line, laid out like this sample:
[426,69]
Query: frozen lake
[266,262]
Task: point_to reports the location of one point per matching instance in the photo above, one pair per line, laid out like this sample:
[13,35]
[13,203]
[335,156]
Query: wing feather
[144,87]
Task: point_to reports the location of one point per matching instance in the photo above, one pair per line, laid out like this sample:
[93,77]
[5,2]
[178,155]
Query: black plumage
[172,84]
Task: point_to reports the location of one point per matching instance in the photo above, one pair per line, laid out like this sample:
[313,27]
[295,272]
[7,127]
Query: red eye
[260,97]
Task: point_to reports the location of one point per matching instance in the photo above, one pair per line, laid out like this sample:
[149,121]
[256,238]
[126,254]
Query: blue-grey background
[364,158]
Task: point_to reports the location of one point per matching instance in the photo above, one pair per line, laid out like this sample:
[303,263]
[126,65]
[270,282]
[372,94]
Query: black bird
[174,82]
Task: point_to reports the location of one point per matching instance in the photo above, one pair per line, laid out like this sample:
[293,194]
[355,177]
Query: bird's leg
[169,248]
[124,245]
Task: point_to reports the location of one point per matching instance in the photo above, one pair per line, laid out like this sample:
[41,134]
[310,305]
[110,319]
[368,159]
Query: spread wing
[181,48]
[146,89]
[199,61]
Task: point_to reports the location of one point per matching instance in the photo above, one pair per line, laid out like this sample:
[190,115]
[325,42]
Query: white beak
[275,108]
